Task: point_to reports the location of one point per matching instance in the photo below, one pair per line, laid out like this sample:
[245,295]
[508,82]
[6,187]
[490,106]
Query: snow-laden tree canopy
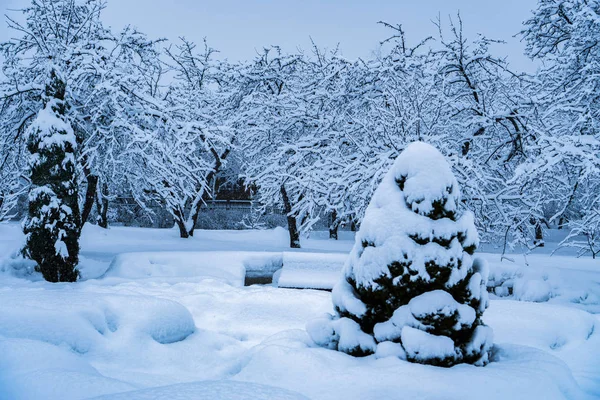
[310,131]
[103,74]
[565,35]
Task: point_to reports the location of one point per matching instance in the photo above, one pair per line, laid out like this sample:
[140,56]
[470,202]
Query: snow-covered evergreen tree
[52,227]
[410,286]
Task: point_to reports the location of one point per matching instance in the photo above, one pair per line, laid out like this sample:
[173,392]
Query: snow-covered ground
[156,316]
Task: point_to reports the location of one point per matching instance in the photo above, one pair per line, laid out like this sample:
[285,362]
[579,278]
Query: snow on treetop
[398,221]
[424,176]
[51,129]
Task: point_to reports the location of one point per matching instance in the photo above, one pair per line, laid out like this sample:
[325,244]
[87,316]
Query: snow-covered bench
[232,267]
[287,269]
[310,270]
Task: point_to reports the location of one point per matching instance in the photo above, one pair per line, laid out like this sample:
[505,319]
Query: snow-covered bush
[52,226]
[585,234]
[410,286]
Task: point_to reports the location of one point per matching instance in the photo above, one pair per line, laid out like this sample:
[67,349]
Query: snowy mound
[168,322]
[82,321]
[548,327]
[518,372]
[31,369]
[410,285]
[208,390]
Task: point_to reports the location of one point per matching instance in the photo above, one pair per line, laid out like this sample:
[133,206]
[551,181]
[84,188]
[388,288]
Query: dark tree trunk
[90,197]
[539,233]
[562,222]
[291,220]
[179,216]
[183,232]
[194,220]
[212,178]
[333,226]
[195,210]
[195,213]
[353,226]
[102,206]
[563,219]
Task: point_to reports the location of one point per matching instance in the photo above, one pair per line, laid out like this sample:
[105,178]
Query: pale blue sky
[238,27]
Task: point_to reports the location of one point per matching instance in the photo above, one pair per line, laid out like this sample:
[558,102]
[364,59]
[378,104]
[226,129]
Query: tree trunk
[291,220]
[562,222]
[90,197]
[187,226]
[102,206]
[194,217]
[333,226]
[212,179]
[180,221]
[183,232]
[539,233]
[563,219]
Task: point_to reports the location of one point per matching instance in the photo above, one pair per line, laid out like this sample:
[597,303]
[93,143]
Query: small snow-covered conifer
[410,287]
[52,226]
